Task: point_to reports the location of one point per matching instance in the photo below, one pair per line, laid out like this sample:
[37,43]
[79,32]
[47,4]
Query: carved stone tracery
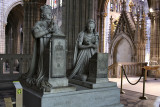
[127,29]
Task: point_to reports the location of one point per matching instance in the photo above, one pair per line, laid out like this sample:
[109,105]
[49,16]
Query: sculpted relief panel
[58,58]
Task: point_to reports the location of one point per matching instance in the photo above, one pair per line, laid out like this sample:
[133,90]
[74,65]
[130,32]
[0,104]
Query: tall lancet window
[60,3]
[55,4]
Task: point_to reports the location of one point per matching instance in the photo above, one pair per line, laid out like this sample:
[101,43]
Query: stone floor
[129,99]
[152,87]
[133,92]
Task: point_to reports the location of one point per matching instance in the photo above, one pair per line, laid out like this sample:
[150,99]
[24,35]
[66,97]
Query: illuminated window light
[151,10]
[55,3]
[60,3]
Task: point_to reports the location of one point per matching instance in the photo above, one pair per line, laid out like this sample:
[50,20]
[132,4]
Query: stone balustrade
[13,65]
[131,68]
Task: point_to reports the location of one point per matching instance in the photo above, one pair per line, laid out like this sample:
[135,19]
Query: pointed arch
[12,5]
[115,41]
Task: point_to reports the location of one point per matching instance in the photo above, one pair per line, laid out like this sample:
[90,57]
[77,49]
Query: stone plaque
[102,64]
[58,58]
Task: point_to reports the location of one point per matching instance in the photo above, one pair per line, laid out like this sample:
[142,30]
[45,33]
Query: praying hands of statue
[87,44]
[53,28]
[93,46]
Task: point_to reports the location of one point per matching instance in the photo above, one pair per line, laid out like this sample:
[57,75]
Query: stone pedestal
[83,97]
[98,68]
[57,72]
[92,85]
[98,72]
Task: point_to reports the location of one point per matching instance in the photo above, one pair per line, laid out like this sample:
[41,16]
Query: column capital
[151,15]
[154,14]
[104,14]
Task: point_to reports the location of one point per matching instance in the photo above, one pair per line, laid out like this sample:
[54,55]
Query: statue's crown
[91,20]
[46,8]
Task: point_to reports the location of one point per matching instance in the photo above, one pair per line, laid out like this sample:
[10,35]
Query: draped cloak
[82,56]
[40,59]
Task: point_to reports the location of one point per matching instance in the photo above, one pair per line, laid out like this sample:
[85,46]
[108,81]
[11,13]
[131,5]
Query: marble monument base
[82,97]
[101,83]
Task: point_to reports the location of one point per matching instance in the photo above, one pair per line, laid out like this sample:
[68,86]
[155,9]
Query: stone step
[93,85]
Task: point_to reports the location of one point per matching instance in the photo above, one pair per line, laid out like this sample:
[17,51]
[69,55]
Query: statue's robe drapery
[82,56]
[40,60]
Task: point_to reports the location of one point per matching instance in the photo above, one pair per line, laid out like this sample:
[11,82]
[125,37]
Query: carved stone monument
[91,70]
[47,72]
[90,67]
[46,84]
[57,76]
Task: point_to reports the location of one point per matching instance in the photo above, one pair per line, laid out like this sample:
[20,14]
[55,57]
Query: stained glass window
[57,10]
[55,3]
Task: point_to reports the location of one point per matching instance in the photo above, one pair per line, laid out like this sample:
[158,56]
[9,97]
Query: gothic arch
[10,7]
[115,41]
[13,32]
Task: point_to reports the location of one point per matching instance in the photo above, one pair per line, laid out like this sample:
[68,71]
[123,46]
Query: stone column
[155,39]
[152,41]
[107,31]
[143,35]
[102,34]
[2,38]
[31,15]
[2,28]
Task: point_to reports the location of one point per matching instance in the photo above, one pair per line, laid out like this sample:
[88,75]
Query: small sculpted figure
[86,47]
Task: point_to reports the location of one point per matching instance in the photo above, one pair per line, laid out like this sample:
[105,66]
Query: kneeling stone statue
[88,64]
[48,65]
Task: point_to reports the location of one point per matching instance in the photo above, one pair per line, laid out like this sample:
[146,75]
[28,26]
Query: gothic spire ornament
[124,5]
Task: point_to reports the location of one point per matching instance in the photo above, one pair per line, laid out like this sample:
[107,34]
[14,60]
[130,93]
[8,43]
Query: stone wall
[123,51]
[5,8]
